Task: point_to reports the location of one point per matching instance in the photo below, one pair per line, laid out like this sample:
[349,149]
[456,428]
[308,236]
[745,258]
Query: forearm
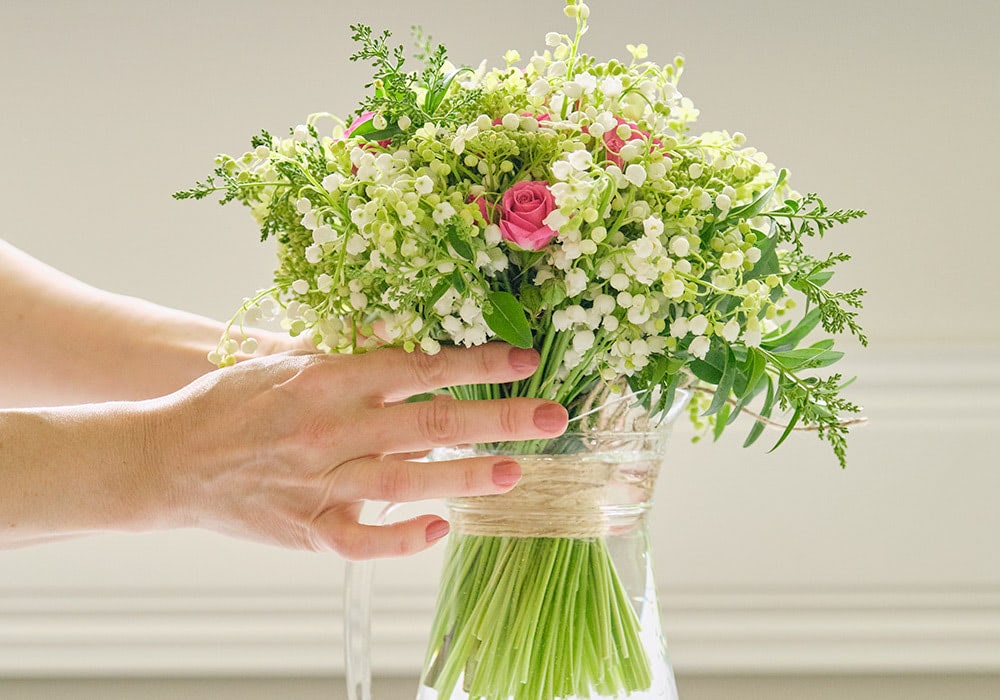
[71,471]
[64,342]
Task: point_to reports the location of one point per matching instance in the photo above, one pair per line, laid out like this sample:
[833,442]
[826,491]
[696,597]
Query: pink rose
[613,143]
[522,215]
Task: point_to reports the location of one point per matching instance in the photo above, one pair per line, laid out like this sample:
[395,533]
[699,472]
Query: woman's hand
[285,449]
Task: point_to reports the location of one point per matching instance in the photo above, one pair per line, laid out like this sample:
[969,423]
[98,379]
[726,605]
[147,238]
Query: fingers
[401,481]
[334,531]
[394,374]
[427,424]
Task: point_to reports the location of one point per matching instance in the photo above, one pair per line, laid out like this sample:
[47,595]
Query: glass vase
[548,591]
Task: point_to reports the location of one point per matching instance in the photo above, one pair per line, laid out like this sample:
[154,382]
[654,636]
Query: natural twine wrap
[569,496]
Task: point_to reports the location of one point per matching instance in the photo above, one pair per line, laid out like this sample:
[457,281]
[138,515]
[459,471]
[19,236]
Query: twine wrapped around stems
[570,495]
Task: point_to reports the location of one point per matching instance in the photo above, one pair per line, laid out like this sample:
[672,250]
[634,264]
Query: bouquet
[559,203]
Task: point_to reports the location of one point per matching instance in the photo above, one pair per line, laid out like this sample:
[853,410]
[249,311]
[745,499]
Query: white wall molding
[289,633]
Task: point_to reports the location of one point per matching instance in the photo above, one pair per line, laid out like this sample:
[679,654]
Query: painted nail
[506,473]
[523,359]
[551,418]
[436,530]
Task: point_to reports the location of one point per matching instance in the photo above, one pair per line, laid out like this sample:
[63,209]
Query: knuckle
[429,370]
[510,418]
[440,422]
[397,483]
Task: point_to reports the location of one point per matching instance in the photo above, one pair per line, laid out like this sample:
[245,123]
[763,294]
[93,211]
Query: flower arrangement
[559,203]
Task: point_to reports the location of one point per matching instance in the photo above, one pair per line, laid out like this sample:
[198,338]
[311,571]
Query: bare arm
[282,449]
[65,342]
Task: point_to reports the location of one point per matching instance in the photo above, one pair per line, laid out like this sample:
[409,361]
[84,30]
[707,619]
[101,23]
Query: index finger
[393,374]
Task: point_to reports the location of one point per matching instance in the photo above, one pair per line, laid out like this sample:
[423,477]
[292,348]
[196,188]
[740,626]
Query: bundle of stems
[534,618]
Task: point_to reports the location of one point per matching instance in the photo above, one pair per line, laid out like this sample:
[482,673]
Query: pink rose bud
[522,215]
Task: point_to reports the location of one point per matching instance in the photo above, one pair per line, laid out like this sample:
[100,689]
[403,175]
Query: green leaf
[768,263]
[806,357]
[507,320]
[457,281]
[765,412]
[721,421]
[790,339]
[748,211]
[436,97]
[788,429]
[725,386]
[436,294]
[461,247]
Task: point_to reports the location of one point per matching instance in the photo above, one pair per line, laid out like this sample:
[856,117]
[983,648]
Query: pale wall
[767,563]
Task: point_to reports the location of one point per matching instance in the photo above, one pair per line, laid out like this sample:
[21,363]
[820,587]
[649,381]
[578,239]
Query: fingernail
[523,360]
[436,530]
[506,473]
[551,418]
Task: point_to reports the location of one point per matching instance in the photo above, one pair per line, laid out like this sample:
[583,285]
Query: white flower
[314,253]
[309,220]
[583,340]
[674,288]
[332,182]
[580,160]
[470,311]
[657,171]
[604,304]
[619,281]
[695,170]
[540,89]
[652,225]
[704,201]
[556,220]
[560,320]
[731,331]
[698,324]
[612,86]
[303,205]
[587,81]
[423,184]
[356,245]
[324,283]
[562,169]
[753,255]
[429,345]
[404,123]
[300,286]
[443,212]
[679,327]
[301,133]
[510,121]
[636,174]
[679,246]
[731,260]
[699,347]
[572,89]
[553,39]
[723,202]
[576,282]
